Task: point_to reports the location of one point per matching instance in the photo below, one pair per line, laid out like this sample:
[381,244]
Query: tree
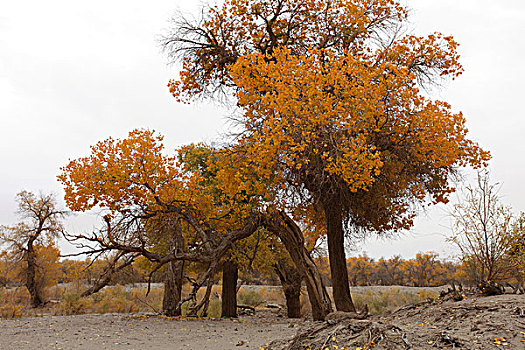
[140,187]
[390,271]
[483,230]
[149,197]
[209,163]
[424,269]
[230,274]
[331,108]
[291,235]
[167,230]
[517,248]
[132,179]
[233,184]
[33,236]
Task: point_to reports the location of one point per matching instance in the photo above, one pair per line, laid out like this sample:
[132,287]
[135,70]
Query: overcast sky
[73,73]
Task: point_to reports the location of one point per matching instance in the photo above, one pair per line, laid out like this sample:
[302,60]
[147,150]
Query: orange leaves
[239,28]
[324,114]
[120,173]
[306,108]
[425,270]
[427,57]
[331,101]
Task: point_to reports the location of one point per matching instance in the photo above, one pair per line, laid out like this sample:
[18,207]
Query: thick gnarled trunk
[174,275]
[230,274]
[336,255]
[292,237]
[291,282]
[173,288]
[31,283]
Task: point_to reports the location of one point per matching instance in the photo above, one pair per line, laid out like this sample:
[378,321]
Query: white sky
[73,73]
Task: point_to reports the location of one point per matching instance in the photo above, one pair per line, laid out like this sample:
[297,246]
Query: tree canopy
[332,107]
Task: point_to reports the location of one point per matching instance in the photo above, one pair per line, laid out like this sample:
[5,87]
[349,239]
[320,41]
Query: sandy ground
[480,323]
[117,331]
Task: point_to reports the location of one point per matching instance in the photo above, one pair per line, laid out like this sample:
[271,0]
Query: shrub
[250,298]
[72,304]
[10,311]
[381,301]
[215,308]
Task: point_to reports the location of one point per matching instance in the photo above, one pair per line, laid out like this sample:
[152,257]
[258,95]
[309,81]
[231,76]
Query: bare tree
[482,230]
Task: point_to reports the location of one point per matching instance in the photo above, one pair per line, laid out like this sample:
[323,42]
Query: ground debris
[338,316]
[475,323]
[352,333]
[489,288]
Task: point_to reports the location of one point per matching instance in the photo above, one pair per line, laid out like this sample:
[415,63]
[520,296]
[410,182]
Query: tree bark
[292,237]
[34,291]
[336,255]
[230,274]
[173,288]
[291,282]
[174,275]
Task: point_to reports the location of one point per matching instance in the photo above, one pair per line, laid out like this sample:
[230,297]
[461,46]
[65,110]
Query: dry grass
[109,300]
[67,301]
[13,302]
[117,299]
[383,300]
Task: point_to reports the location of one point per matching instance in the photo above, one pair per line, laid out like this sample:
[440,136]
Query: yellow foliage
[326,110]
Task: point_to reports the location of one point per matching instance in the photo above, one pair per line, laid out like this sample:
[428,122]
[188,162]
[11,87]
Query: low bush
[10,311]
[381,301]
[250,298]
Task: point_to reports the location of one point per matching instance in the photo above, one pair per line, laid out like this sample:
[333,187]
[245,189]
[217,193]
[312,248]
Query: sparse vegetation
[15,302]
[380,301]
[250,298]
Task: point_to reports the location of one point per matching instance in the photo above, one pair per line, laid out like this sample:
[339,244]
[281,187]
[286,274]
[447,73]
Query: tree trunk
[34,291]
[292,237]
[291,282]
[174,275]
[336,255]
[173,288]
[230,273]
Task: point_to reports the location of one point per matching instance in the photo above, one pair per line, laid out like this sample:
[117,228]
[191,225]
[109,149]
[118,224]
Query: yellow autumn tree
[157,207]
[332,108]
[33,242]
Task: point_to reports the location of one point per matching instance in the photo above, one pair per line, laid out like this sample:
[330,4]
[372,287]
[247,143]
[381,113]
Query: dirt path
[116,331]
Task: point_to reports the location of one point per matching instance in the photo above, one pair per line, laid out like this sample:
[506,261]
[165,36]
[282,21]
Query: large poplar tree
[331,107]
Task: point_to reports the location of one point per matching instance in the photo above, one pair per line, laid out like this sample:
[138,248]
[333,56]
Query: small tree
[35,234]
[483,229]
[517,248]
